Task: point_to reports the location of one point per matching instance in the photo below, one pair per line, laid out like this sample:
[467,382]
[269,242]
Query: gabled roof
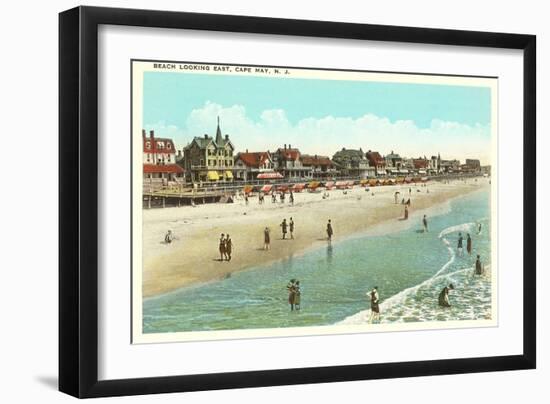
[349,153]
[290,154]
[309,160]
[374,156]
[254,159]
[154,145]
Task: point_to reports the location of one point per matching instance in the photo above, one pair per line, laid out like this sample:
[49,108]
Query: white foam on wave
[399,298]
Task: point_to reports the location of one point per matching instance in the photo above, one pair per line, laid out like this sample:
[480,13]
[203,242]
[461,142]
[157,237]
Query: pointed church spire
[219,137]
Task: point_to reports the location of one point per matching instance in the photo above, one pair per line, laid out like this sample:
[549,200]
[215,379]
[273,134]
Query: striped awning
[269,176]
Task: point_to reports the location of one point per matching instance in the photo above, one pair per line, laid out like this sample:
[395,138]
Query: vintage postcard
[283,201]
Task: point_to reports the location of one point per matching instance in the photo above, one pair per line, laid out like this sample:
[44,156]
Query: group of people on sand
[286,227]
[282,197]
[225,247]
[294,294]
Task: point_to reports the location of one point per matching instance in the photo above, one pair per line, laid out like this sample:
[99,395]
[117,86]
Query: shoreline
[193,258]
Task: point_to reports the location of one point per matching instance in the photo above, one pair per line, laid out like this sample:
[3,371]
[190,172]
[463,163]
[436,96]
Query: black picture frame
[78,200]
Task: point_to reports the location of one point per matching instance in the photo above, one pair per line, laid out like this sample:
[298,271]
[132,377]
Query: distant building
[450,166]
[377,162]
[435,164]
[288,163]
[318,166]
[421,165]
[351,162]
[393,161]
[159,158]
[473,164]
[249,165]
[209,159]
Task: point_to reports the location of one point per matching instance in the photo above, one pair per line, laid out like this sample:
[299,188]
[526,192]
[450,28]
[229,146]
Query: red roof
[374,157]
[153,145]
[309,160]
[162,168]
[290,154]
[254,159]
[420,163]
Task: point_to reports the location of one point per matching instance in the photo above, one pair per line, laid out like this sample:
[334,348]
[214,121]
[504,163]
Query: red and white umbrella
[269,176]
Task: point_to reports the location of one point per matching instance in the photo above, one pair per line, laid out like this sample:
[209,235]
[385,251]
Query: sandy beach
[193,256]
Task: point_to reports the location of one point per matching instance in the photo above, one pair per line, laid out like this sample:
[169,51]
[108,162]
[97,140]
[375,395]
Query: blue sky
[320,116]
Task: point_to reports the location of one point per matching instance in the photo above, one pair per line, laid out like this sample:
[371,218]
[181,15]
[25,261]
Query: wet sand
[193,256]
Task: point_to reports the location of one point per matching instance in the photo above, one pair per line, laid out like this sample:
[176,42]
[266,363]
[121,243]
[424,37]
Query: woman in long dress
[222,247]
[228,247]
[267,239]
[374,306]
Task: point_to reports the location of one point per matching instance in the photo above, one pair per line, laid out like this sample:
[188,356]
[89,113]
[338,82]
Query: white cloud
[328,134]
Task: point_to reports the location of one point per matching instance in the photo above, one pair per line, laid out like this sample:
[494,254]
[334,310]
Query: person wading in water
[291,287]
[479,267]
[374,306]
[443,298]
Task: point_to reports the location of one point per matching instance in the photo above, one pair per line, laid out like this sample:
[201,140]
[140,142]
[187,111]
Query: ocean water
[410,267]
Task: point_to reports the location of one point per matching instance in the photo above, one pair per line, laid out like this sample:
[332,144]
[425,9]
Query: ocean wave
[419,311]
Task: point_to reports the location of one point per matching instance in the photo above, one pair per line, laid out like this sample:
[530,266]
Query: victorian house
[209,159]
[352,162]
[159,158]
[249,165]
[288,163]
[318,166]
[377,161]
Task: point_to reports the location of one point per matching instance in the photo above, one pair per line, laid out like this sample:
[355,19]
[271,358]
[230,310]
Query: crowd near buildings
[213,159]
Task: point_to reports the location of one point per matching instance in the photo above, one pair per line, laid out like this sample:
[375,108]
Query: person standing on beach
[469,244]
[222,247]
[406,213]
[479,228]
[479,267]
[425,223]
[291,198]
[291,228]
[374,306]
[459,245]
[283,228]
[267,239]
[273,197]
[228,247]
[396,196]
[330,232]
[246,199]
